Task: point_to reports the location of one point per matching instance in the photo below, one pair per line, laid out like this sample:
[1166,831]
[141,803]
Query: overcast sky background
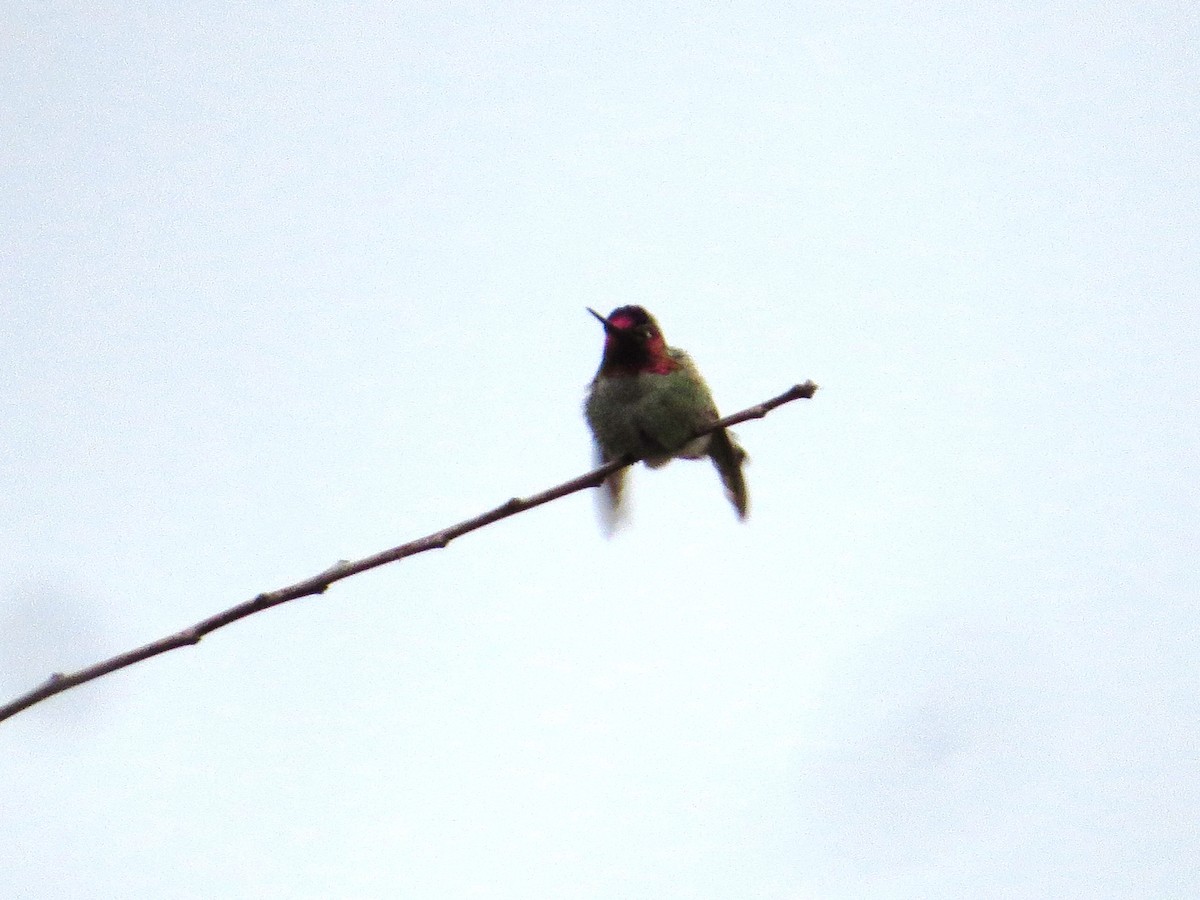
[285,283]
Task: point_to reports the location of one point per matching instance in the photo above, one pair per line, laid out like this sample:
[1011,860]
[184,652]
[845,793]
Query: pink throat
[659,363]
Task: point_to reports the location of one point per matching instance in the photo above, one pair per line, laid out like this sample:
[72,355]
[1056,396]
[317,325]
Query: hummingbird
[648,400]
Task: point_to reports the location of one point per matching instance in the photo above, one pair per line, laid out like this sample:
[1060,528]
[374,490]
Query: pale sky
[289,283]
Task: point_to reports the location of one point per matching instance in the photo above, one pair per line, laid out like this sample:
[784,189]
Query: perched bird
[648,400]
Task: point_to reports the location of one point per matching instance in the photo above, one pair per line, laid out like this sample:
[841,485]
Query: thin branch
[317,584]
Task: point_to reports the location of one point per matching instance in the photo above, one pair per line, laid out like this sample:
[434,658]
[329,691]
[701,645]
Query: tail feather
[610,499]
[728,456]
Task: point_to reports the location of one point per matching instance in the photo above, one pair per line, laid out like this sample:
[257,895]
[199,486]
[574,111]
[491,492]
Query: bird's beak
[608,326]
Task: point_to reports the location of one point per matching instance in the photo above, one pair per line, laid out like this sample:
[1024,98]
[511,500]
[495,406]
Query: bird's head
[633,342]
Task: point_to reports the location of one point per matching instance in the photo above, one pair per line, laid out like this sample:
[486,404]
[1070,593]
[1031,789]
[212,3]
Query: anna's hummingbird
[648,400]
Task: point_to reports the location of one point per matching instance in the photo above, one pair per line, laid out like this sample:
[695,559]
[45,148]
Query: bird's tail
[728,456]
[611,502]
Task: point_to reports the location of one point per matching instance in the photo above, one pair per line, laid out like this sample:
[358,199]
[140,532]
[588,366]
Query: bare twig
[317,584]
